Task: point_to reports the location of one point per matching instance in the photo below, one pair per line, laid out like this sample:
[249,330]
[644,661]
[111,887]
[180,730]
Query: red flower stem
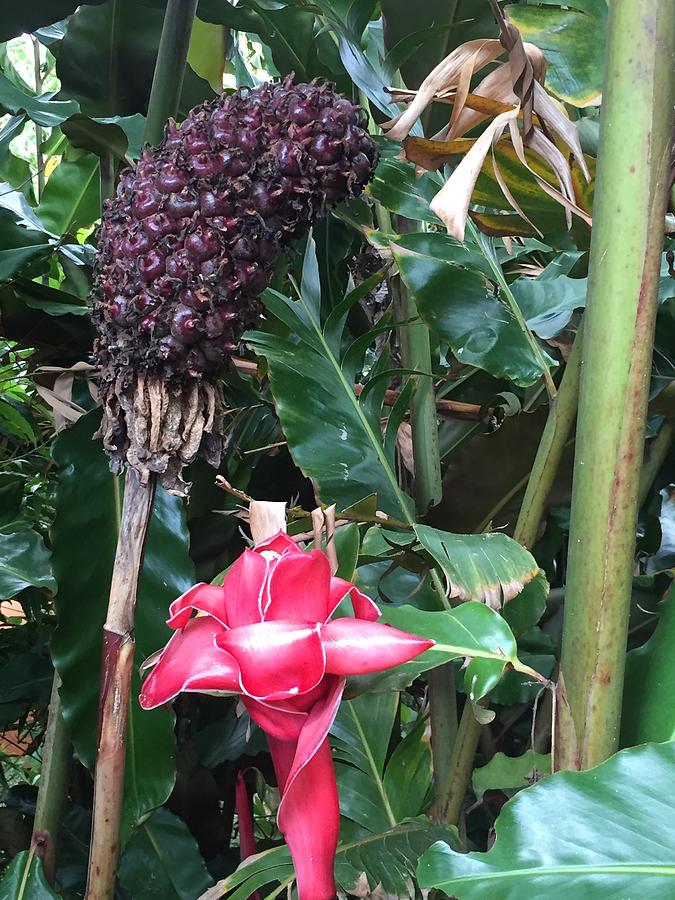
[244,805]
[116,669]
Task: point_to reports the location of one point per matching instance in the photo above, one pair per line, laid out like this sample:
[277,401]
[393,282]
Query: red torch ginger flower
[267,634]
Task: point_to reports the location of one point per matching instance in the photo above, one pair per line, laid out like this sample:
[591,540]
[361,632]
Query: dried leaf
[444,77]
[430,154]
[451,203]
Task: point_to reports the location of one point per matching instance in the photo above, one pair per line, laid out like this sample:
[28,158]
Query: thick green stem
[626,244]
[549,453]
[416,354]
[167,81]
[53,787]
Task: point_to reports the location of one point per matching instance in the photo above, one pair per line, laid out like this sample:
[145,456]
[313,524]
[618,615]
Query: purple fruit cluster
[190,240]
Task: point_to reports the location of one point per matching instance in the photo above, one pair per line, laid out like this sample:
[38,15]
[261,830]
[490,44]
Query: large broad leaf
[648,713]
[84,539]
[333,436]
[397,187]
[107,59]
[485,567]
[25,879]
[24,562]
[459,305]
[21,18]
[606,833]
[41,110]
[72,195]
[162,861]
[375,796]
[388,859]
[572,36]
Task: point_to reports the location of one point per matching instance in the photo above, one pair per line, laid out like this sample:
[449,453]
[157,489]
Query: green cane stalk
[554,438]
[57,757]
[627,240]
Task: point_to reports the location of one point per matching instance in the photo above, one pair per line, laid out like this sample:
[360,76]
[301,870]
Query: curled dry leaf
[512,91]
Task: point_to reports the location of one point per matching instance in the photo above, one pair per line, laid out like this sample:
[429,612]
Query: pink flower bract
[267,634]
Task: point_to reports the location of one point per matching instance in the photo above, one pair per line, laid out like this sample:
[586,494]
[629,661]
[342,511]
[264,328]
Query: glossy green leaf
[24,562]
[388,859]
[26,676]
[329,433]
[408,774]
[84,538]
[485,567]
[24,879]
[397,188]
[510,773]
[459,305]
[72,195]
[162,861]
[471,629]
[607,832]
[572,37]
[14,423]
[648,714]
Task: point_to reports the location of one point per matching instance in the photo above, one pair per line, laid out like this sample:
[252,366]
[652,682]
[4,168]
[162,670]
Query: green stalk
[416,354]
[628,215]
[53,786]
[549,453]
[167,81]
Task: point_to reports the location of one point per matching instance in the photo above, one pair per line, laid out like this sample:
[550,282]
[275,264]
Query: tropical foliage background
[417,367]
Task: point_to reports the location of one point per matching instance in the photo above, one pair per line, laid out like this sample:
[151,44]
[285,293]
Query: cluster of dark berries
[189,241]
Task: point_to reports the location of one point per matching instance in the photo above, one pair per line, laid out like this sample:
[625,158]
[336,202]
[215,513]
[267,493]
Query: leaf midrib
[379,782]
[377,445]
[618,869]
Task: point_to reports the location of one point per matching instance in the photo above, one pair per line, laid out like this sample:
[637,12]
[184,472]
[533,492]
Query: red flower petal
[191,662]
[309,818]
[243,588]
[299,586]
[363,606]
[276,659]
[356,647]
[279,543]
[309,814]
[208,598]
[275,719]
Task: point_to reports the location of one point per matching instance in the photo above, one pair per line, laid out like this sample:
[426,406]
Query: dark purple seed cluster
[189,241]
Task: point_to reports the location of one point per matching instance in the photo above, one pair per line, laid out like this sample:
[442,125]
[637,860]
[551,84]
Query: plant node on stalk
[188,244]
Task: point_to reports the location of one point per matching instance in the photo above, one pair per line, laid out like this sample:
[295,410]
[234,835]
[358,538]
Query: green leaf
[42,110]
[329,434]
[458,304]
[13,423]
[594,832]
[84,538]
[22,18]
[483,567]
[162,861]
[21,247]
[106,60]
[510,773]
[24,879]
[120,135]
[26,676]
[648,714]
[206,53]
[396,187]
[547,304]
[72,195]
[388,859]
[24,562]
[573,38]
[472,630]
[408,774]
